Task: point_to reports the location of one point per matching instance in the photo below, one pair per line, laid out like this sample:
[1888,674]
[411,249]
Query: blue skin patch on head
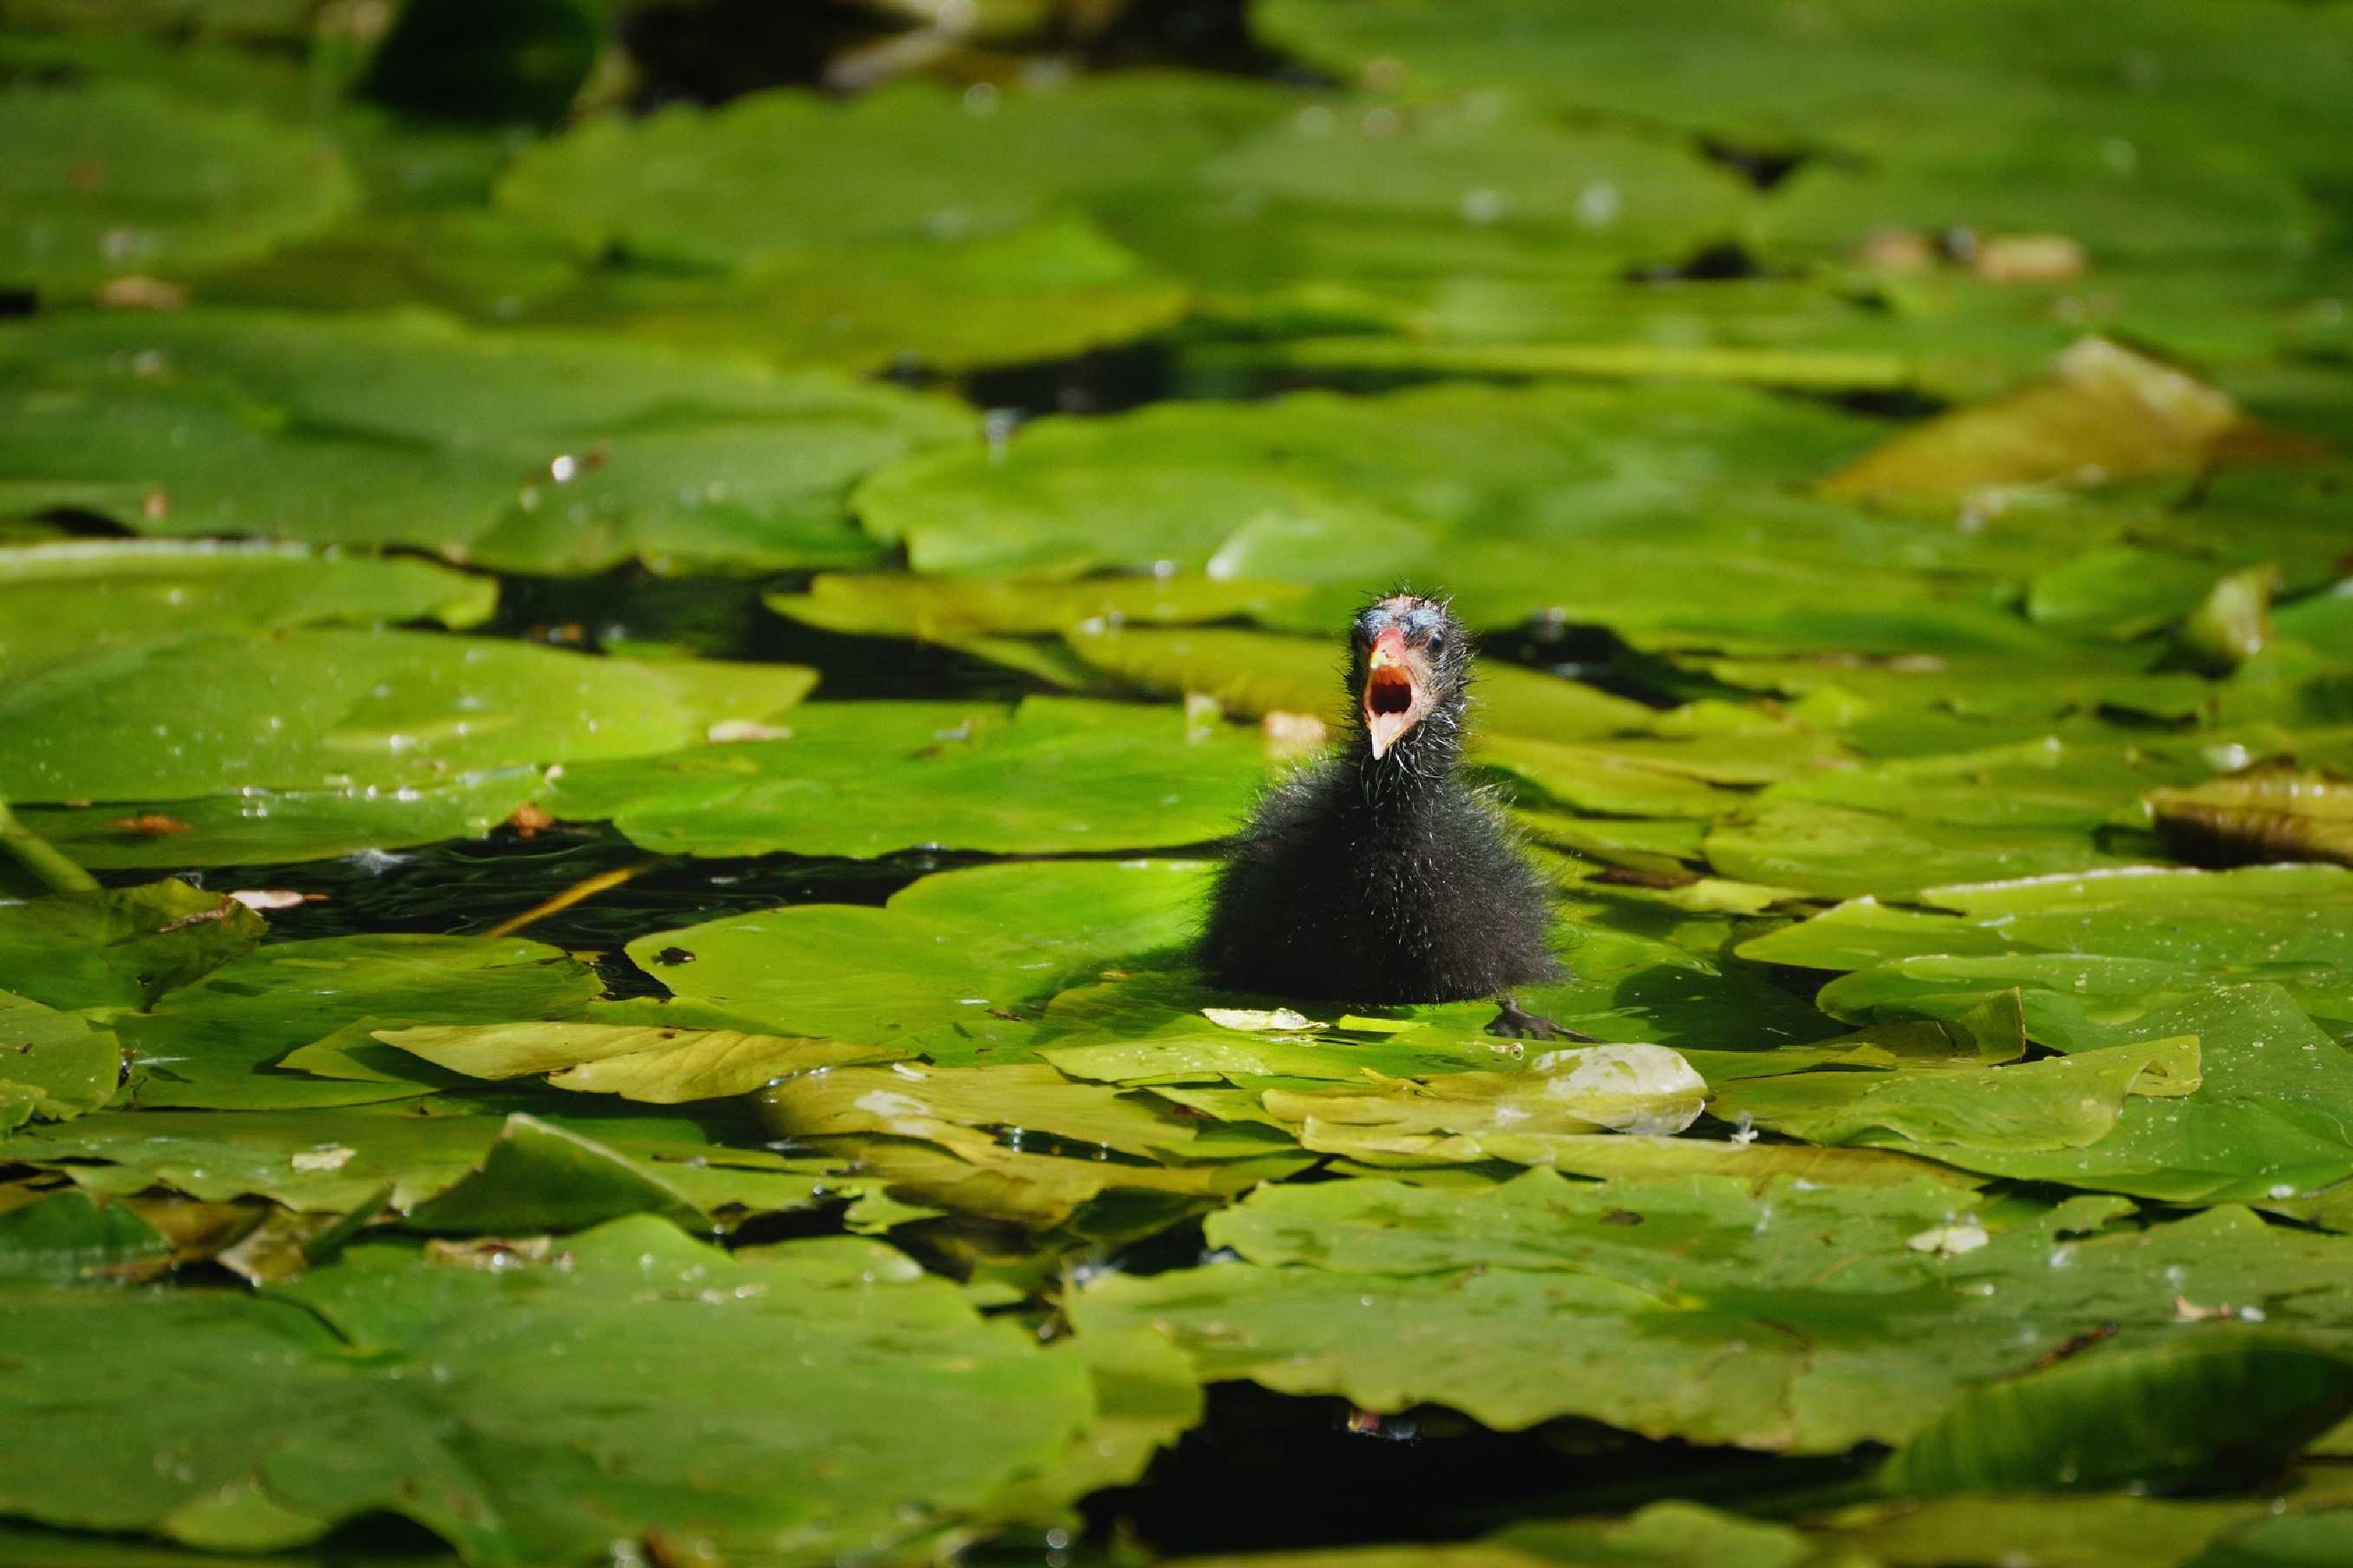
[1420,622]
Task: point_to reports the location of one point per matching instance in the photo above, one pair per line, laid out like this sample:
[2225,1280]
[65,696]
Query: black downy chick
[1378,875]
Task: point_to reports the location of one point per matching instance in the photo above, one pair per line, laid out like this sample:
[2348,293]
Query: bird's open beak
[1392,697]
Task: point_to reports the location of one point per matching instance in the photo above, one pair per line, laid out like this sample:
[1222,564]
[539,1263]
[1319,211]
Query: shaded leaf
[66,1237]
[2207,1409]
[2267,813]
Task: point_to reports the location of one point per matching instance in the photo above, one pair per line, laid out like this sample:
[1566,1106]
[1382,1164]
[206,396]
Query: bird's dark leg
[1525,1025]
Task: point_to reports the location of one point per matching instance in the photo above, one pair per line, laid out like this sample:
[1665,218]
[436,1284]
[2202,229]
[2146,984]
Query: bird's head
[1412,660]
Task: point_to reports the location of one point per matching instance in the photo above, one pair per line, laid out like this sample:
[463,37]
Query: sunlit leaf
[381,708]
[866,778]
[939,967]
[70,599]
[659,1067]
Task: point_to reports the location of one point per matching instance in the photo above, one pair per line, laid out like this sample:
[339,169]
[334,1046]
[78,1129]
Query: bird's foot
[1520,1025]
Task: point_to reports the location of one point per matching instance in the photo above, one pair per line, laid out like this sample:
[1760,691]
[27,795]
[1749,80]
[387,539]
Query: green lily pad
[1895,827]
[837,1370]
[1053,287]
[956,610]
[2120,590]
[117,180]
[1379,208]
[2262,1125]
[538,1178]
[532,452]
[119,947]
[2060,1102]
[2095,1532]
[269,827]
[2278,923]
[68,600]
[1336,490]
[866,778]
[2011,118]
[65,1237]
[1538,1298]
[2217,1407]
[382,708]
[689,187]
[1466,1117]
[212,1044]
[339,1160]
[974,1112]
[53,1065]
[656,1066]
[934,970]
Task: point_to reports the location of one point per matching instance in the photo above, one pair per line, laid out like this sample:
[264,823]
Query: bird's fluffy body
[1376,875]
